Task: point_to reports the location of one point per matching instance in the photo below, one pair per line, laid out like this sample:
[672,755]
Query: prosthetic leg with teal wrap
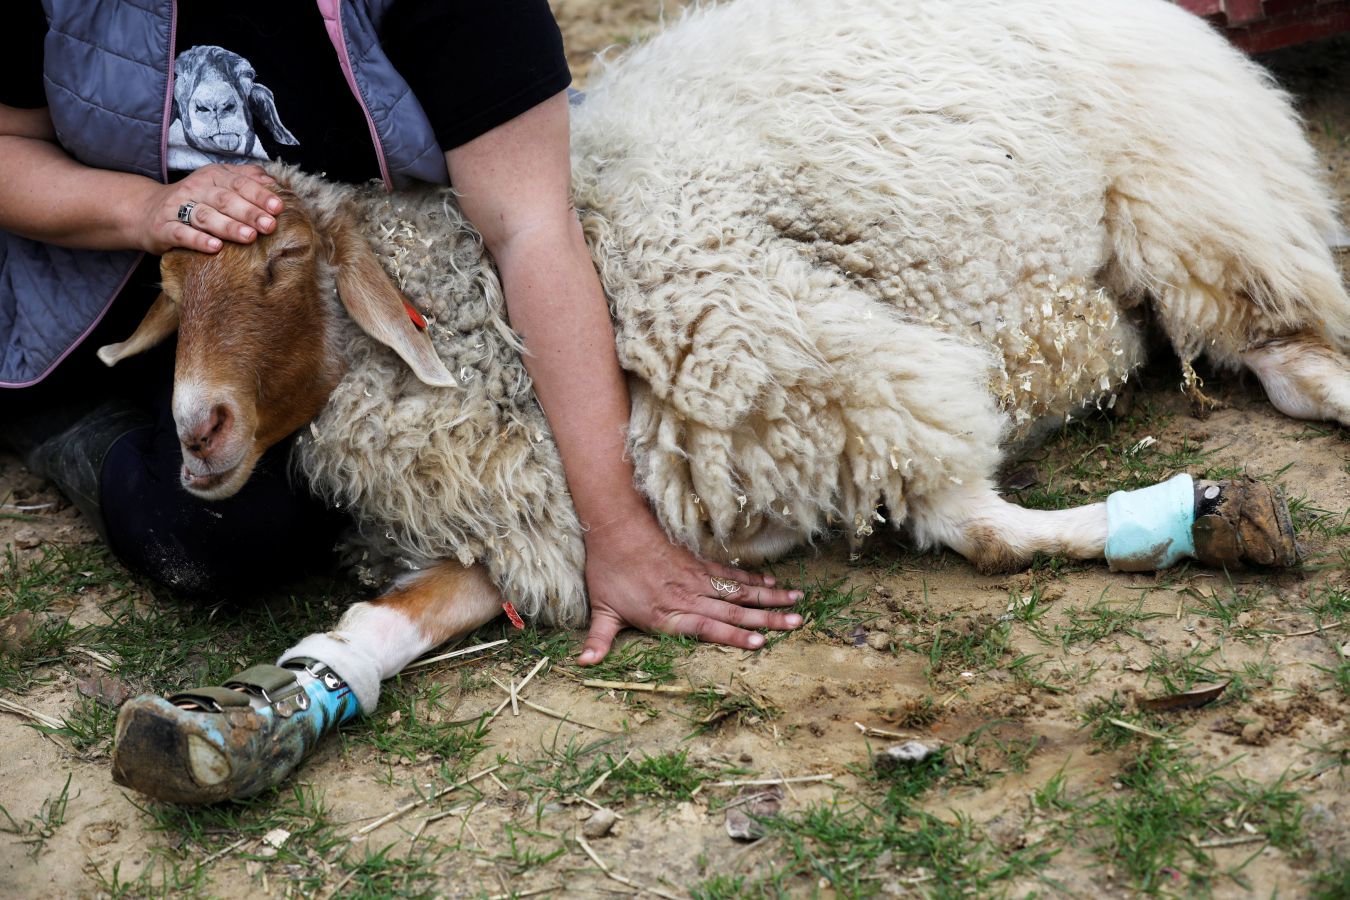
[1150,528]
[219,743]
[1229,523]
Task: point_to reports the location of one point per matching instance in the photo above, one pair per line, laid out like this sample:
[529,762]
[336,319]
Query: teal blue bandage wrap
[1150,528]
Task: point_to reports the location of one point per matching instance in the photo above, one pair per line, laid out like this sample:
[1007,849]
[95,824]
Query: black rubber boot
[72,457]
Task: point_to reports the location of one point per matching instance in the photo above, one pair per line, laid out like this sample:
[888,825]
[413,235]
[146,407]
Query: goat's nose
[200,438]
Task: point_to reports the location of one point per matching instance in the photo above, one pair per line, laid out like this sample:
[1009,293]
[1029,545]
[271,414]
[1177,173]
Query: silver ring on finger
[724,586]
[185,212]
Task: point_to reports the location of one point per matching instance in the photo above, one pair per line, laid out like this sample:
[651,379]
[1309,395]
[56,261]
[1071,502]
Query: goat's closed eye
[280,256]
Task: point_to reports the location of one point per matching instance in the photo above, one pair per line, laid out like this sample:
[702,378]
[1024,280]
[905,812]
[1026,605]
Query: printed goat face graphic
[220,105]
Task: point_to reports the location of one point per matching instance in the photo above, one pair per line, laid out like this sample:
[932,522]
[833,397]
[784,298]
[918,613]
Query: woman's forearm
[33,123]
[514,186]
[558,307]
[48,196]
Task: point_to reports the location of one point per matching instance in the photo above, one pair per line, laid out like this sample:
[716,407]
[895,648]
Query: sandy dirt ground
[1020,683]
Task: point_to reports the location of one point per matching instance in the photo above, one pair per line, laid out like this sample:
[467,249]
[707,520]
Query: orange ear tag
[514,616]
[416,316]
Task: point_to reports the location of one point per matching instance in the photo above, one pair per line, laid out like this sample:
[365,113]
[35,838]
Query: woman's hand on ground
[637,578]
[232,203]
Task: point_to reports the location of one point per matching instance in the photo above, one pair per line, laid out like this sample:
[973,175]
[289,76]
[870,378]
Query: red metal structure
[1260,25]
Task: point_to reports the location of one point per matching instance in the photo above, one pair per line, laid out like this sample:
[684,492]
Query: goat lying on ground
[852,250]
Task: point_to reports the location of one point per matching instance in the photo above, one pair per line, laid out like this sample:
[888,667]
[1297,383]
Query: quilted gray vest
[109,79]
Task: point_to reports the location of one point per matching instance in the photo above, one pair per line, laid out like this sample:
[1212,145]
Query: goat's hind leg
[232,741]
[998,536]
[1221,523]
[1304,376]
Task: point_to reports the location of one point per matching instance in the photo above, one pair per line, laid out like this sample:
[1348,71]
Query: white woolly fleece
[851,247]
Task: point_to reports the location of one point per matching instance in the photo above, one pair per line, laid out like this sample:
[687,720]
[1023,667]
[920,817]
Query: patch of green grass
[881,843]
[726,887]
[569,770]
[1225,606]
[1025,670]
[1179,673]
[1339,673]
[522,850]
[38,829]
[1101,620]
[858,849]
[1333,883]
[416,724]
[647,658]
[535,643]
[1029,608]
[1055,568]
[160,877]
[1108,735]
[1102,454]
[1015,752]
[717,705]
[38,588]
[668,777]
[967,645]
[1329,604]
[1255,674]
[383,875]
[87,727]
[1313,520]
[167,643]
[562,771]
[1167,807]
[196,833]
[1053,796]
[826,609]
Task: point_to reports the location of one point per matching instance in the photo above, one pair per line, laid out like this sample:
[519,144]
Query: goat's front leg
[374,641]
[231,741]
[1304,377]
[1221,523]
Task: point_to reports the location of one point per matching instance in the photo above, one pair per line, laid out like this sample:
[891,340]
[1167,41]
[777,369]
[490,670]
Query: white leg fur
[374,641]
[369,644]
[998,536]
[1303,377]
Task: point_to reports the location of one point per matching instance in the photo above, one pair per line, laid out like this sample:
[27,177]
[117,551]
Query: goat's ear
[160,322]
[380,308]
[264,106]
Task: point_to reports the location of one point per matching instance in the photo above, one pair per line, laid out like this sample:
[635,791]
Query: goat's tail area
[1218,212]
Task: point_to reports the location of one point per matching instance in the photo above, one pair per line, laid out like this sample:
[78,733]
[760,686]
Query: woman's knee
[271,532]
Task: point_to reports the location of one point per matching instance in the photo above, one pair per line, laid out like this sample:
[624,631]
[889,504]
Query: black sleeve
[21,56]
[474,65]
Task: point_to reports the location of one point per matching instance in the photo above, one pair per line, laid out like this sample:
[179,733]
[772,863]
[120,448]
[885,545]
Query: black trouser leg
[272,531]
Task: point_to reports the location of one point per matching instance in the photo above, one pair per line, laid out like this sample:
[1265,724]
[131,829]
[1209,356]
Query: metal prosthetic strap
[303,683]
[1150,528]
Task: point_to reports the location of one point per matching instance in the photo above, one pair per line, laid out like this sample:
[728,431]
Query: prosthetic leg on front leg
[220,743]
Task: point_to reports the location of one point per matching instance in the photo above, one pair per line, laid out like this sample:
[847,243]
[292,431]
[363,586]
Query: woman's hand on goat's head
[223,203]
[637,578]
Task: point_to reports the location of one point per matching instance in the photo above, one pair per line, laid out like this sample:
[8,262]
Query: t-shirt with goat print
[220,111]
[258,80]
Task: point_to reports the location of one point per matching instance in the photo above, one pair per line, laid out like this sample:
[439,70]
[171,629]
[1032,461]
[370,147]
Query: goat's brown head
[257,357]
